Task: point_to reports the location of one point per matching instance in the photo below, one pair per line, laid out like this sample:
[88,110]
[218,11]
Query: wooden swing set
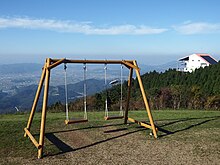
[45,79]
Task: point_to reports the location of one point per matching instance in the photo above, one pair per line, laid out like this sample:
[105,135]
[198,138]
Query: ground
[185,137]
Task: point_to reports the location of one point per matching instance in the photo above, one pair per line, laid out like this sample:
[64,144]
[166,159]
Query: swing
[76,120]
[121,115]
[45,83]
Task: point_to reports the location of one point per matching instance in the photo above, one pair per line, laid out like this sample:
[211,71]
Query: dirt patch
[76,139]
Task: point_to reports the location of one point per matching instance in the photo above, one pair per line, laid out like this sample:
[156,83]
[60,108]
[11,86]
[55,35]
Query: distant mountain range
[23,97]
[19,83]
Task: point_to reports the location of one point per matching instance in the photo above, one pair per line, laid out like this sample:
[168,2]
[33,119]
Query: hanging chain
[85,92]
[66,93]
[106,100]
[121,99]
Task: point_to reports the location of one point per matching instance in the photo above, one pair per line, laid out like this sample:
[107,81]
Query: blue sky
[153,32]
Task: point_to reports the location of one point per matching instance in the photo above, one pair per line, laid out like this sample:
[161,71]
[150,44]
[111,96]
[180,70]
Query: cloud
[189,28]
[77,27]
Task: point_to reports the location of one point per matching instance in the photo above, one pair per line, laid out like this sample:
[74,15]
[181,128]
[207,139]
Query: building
[195,61]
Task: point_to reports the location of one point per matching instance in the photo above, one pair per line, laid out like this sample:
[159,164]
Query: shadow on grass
[186,119]
[167,132]
[85,128]
[64,148]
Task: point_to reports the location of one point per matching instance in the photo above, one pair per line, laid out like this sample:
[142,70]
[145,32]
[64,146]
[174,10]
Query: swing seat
[113,117]
[72,121]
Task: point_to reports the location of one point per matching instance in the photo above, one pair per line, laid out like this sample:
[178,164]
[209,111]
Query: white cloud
[77,27]
[197,28]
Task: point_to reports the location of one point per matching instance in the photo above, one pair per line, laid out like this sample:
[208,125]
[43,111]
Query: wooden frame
[45,79]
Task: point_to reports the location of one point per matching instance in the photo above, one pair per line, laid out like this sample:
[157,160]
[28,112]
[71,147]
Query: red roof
[208,58]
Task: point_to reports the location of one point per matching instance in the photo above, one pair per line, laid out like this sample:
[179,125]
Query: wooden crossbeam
[34,141]
[56,63]
[93,61]
[140,123]
[130,65]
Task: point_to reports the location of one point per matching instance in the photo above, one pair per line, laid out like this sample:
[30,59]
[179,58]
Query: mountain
[23,97]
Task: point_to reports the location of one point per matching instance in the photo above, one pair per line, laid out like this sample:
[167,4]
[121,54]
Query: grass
[182,125]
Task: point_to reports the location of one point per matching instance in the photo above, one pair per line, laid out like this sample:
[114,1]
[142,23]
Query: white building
[195,61]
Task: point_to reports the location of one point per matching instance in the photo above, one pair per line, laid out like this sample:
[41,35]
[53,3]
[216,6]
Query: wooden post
[44,109]
[145,101]
[128,96]
[36,100]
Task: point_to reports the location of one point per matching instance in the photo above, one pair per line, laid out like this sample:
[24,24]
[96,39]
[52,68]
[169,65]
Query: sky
[152,32]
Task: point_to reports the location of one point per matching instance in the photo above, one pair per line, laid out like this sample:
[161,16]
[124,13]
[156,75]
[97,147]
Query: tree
[176,93]
[98,102]
[213,102]
[197,100]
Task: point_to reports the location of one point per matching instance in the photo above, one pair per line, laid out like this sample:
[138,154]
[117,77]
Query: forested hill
[206,79]
[174,89]
[169,90]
